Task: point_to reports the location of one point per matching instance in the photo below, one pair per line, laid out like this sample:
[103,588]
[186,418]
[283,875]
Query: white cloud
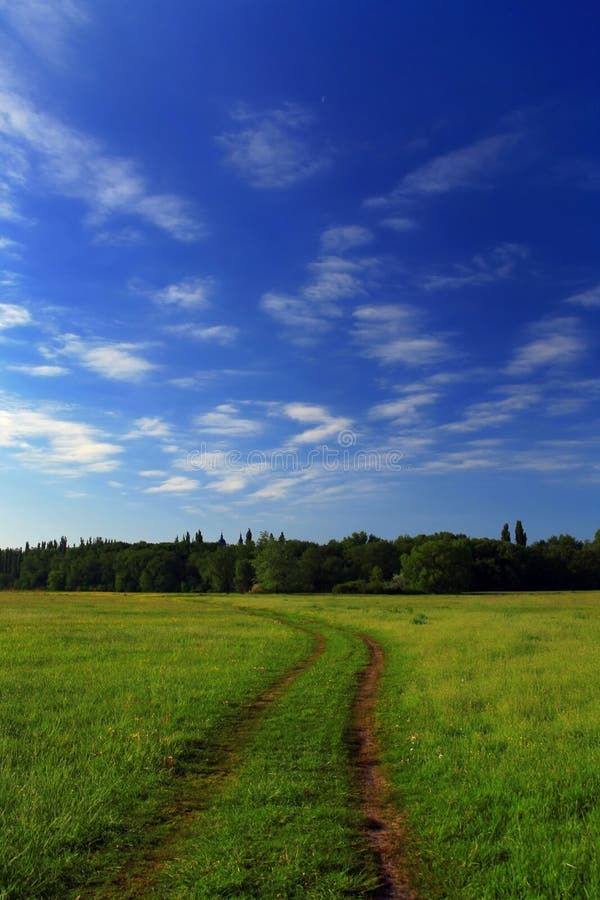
[117,362]
[331,283]
[390,334]
[9,279]
[218,334]
[178,484]
[8,207]
[44,25]
[305,412]
[190,293]
[11,316]
[298,316]
[43,441]
[462,460]
[496,412]
[546,459]
[485,268]
[555,342]
[405,409]
[10,247]
[225,419]
[119,237]
[467,167]
[231,484]
[203,377]
[346,237]
[150,426]
[589,299]
[275,490]
[271,149]
[70,162]
[332,279]
[325,425]
[399,223]
[41,371]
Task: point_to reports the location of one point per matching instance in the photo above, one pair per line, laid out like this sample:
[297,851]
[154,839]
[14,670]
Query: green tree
[505,534]
[438,566]
[221,568]
[244,575]
[375,584]
[520,535]
[277,566]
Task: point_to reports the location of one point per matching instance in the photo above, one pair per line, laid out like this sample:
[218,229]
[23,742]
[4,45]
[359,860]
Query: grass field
[96,692]
[488,719]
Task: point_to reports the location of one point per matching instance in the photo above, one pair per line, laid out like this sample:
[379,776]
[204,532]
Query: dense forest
[360,563]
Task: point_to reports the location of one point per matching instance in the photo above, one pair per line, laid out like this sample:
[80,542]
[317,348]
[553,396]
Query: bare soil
[384,829]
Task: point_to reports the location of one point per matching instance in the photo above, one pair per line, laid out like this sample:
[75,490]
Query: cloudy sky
[310,265]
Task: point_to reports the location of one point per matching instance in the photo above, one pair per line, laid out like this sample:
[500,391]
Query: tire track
[384,829]
[206,771]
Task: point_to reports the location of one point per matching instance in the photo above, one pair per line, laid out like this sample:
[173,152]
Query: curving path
[383,824]
[211,770]
[204,777]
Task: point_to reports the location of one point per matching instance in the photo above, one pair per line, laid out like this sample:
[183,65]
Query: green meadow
[145,748]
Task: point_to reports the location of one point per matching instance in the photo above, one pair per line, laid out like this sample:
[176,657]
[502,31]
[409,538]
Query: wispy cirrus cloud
[189,293]
[554,342]
[345,237]
[404,409]
[393,334]
[485,268]
[45,25]
[334,278]
[53,156]
[464,460]
[10,247]
[589,299]
[466,168]
[312,310]
[302,321]
[324,424]
[217,334]
[496,412]
[150,426]
[273,149]
[12,316]
[226,419]
[40,371]
[8,206]
[119,237]
[177,484]
[399,223]
[43,440]
[202,378]
[115,361]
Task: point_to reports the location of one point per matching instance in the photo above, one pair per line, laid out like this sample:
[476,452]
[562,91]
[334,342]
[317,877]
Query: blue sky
[317,267]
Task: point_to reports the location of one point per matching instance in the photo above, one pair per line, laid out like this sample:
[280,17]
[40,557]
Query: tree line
[360,563]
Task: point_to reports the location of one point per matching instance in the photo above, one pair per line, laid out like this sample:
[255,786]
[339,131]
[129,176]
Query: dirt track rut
[206,774]
[383,824]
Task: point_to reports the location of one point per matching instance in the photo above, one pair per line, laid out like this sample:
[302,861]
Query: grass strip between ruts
[286,823]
